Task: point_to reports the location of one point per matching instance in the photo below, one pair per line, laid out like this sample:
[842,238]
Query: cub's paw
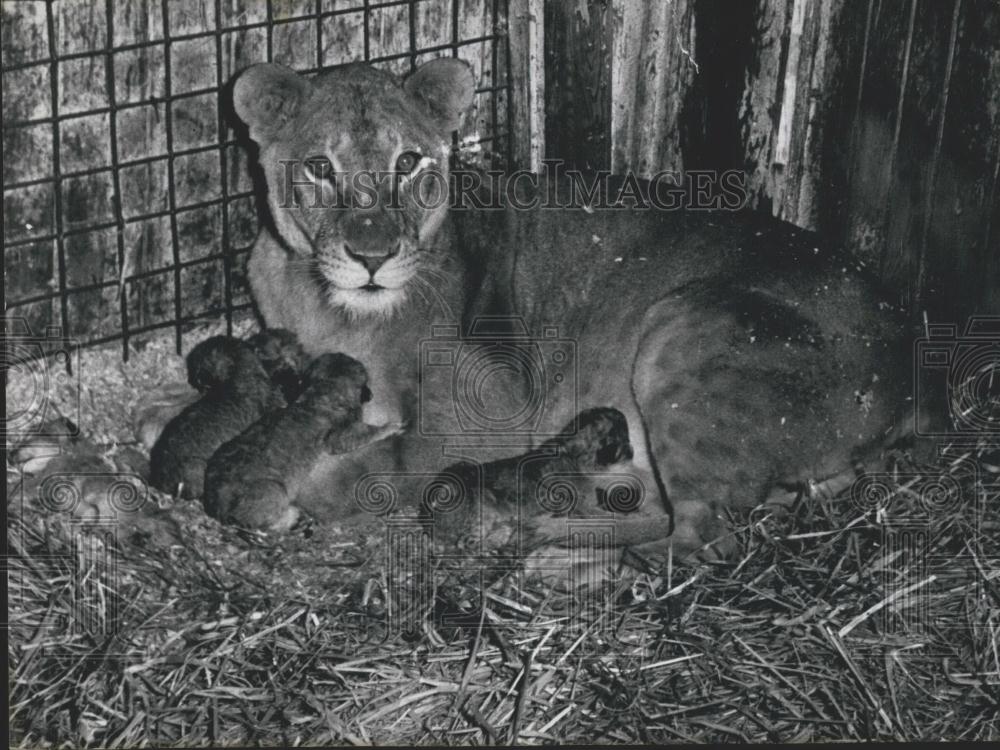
[285,520]
[388,430]
[359,435]
[262,504]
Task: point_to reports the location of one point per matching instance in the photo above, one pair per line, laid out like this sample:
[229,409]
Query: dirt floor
[869,615]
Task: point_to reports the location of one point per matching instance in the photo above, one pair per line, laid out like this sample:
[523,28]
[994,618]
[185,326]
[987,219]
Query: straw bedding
[860,616]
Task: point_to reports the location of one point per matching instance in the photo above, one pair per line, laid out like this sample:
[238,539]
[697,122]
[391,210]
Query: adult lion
[743,357]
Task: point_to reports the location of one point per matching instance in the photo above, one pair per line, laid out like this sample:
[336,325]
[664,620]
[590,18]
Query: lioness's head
[355,162]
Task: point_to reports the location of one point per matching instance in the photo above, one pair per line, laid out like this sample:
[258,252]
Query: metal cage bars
[57,177]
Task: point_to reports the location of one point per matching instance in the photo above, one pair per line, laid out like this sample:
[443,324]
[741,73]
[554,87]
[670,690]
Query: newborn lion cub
[282,356]
[237,392]
[254,479]
[528,501]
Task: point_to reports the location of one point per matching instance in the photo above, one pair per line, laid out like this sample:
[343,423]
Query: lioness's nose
[370,238]
[372,260]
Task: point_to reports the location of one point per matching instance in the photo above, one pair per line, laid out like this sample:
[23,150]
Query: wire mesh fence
[128,202]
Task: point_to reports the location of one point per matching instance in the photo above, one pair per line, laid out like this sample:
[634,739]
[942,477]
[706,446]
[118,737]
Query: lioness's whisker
[441,273]
[417,282]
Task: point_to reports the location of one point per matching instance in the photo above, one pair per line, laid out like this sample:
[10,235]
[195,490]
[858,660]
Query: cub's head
[338,377]
[356,165]
[215,361]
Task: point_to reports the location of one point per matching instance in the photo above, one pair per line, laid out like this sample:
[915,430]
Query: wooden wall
[119,159]
[876,122]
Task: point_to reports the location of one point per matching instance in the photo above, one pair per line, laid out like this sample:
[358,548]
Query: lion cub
[237,391]
[253,480]
[528,501]
[279,351]
[283,357]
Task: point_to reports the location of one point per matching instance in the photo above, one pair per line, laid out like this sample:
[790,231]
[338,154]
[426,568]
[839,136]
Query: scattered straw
[825,627]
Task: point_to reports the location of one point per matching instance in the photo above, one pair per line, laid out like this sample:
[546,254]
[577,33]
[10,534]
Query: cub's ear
[266,96]
[445,87]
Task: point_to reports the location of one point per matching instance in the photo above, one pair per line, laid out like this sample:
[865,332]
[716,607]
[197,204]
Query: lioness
[743,357]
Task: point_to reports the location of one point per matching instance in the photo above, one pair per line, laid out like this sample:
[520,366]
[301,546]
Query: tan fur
[734,349]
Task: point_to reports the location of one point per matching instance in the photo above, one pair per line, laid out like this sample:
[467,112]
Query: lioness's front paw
[263,516]
[286,520]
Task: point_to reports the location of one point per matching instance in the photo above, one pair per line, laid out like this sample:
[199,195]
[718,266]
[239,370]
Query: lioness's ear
[268,95]
[445,87]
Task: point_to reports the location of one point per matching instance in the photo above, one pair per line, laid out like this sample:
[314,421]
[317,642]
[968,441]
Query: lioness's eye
[318,168]
[407,162]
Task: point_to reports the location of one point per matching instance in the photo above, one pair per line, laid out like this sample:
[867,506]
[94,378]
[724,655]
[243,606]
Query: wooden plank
[578,44]
[796,96]
[872,156]
[910,165]
[83,143]
[525,24]
[821,85]
[140,76]
[789,87]
[758,111]
[710,126]
[829,144]
[473,19]
[653,66]
[343,34]
[962,254]
[931,181]
[29,269]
